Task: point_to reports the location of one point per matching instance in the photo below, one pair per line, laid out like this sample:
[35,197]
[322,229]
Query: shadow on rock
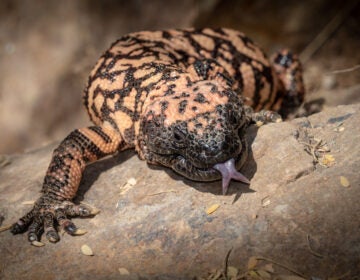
[93,171]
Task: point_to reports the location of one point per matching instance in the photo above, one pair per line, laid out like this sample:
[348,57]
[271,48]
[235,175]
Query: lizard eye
[234,118]
[179,138]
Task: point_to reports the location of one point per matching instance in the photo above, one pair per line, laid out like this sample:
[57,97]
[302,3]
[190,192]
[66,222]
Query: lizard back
[144,64]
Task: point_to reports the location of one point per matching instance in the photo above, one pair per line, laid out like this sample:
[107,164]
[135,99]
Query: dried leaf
[253,274]
[289,277]
[232,272]
[123,271]
[4,161]
[264,274]
[259,123]
[80,231]
[339,277]
[37,244]
[344,182]
[327,160]
[128,185]
[252,262]
[265,201]
[86,250]
[269,268]
[28,202]
[281,265]
[215,275]
[132,181]
[212,209]
[311,250]
[5,228]
[339,129]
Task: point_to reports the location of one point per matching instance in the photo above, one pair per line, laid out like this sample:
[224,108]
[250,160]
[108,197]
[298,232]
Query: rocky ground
[299,216]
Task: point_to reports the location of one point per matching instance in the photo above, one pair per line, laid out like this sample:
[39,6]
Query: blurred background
[48,47]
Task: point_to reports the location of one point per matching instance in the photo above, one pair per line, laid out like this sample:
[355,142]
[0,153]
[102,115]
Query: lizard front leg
[54,207]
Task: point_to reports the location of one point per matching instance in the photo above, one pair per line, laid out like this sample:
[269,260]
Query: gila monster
[182,98]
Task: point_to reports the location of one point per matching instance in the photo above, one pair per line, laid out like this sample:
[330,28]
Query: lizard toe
[64,222]
[35,229]
[50,231]
[18,227]
[69,227]
[22,224]
[52,235]
[82,210]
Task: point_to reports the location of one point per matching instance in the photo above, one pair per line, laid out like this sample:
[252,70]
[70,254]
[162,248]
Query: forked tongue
[228,171]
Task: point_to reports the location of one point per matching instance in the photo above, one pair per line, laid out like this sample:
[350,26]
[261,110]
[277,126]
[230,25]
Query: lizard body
[182,99]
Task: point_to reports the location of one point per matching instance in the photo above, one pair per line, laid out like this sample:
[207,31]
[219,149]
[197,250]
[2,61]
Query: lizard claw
[46,214]
[228,172]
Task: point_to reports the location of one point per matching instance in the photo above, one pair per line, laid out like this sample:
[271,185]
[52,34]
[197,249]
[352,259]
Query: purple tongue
[228,172]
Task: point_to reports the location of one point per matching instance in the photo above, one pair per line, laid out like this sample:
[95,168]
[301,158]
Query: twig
[4,161]
[345,70]
[226,263]
[5,228]
[327,31]
[282,265]
[171,191]
[312,149]
[342,276]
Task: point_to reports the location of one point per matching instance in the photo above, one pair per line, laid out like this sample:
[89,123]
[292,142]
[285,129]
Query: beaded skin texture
[181,98]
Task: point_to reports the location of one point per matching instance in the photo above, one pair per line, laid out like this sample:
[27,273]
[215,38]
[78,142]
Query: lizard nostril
[208,150]
[211,149]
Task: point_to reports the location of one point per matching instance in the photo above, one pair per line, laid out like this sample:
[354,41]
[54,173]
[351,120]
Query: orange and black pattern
[182,98]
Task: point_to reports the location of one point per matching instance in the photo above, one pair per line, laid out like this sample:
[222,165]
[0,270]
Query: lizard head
[288,69]
[201,137]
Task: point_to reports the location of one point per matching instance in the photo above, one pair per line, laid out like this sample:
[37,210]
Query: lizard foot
[262,117]
[49,213]
[265,117]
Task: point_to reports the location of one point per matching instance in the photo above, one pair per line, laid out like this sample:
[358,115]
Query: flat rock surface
[296,212]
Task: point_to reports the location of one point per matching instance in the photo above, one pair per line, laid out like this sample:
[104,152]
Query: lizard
[183,99]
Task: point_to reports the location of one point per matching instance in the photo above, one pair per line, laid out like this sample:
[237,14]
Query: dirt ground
[47,49]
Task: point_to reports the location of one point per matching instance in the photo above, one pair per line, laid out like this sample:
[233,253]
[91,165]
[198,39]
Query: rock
[295,212]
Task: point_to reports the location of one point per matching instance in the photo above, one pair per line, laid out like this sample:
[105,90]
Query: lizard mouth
[226,171]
